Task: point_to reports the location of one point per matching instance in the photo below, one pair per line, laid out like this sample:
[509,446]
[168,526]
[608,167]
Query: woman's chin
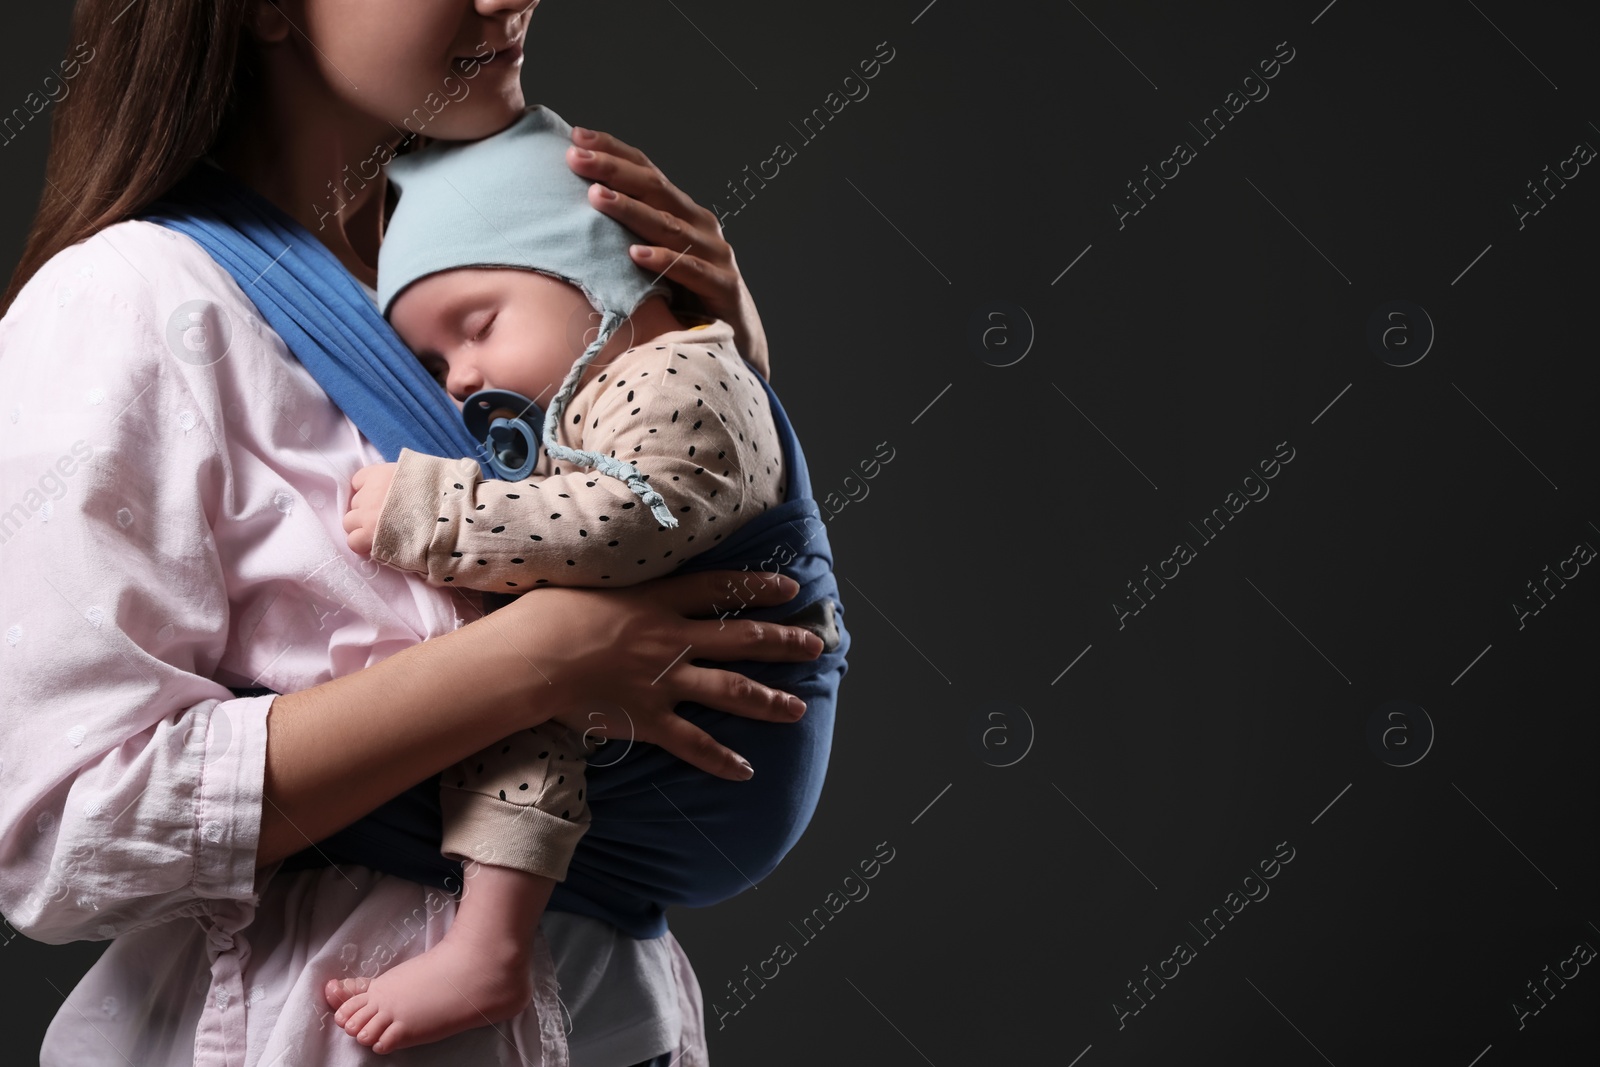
[478,115]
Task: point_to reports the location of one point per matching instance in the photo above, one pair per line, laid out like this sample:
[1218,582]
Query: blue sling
[663,833]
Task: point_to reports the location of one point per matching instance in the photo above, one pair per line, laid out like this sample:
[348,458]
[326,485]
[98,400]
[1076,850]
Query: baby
[658,442]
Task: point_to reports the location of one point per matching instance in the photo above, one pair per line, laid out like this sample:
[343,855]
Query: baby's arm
[697,424]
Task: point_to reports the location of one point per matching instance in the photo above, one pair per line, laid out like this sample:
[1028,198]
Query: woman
[174,484]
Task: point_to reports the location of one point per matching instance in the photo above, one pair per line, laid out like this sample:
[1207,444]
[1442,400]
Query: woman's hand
[620,660]
[683,240]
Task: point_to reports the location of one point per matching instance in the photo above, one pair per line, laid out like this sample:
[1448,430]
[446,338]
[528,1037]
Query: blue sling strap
[320,311]
[663,833]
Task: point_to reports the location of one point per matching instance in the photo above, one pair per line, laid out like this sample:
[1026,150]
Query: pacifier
[507,425]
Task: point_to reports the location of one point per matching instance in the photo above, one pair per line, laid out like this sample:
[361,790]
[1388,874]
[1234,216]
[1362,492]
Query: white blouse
[172,483]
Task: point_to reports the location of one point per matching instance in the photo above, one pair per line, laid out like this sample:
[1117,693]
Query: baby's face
[495,328]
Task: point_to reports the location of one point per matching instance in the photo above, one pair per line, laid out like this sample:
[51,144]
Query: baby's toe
[349,1008]
[394,1037]
[338,990]
[375,1029]
[360,1018]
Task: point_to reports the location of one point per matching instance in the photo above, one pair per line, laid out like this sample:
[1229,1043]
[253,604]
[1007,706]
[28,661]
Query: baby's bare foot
[458,984]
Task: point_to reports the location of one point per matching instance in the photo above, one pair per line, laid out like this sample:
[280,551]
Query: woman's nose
[516,9]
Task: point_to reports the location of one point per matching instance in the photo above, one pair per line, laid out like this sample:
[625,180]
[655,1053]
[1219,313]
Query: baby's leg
[480,972]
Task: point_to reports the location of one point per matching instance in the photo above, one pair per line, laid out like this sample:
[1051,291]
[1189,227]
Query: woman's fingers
[734,693]
[663,226]
[682,241]
[713,284]
[599,141]
[729,640]
[704,593]
[719,596]
[602,157]
[697,748]
[641,181]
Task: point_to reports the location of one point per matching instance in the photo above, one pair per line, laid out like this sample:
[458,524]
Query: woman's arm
[684,240]
[338,750]
[130,790]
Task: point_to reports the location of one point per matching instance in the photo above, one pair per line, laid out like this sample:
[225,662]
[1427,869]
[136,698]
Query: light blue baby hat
[510,200]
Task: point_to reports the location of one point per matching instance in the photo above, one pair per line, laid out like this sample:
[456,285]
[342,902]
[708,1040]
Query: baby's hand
[371,485]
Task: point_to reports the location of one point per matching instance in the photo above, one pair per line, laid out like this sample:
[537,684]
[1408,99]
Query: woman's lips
[506,57]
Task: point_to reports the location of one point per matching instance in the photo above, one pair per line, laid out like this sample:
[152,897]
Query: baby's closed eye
[435,367]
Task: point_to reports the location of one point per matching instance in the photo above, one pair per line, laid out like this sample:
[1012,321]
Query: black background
[1177,352]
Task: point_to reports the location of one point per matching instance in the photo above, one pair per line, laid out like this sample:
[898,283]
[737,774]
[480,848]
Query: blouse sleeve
[130,787]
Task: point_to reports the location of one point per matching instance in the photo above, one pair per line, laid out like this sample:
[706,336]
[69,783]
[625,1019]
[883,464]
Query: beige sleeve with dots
[519,803]
[694,420]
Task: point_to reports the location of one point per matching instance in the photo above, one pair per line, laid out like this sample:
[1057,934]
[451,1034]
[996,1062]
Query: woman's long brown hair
[156,91]
[165,80]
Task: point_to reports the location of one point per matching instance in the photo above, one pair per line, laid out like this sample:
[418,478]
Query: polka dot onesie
[688,412]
